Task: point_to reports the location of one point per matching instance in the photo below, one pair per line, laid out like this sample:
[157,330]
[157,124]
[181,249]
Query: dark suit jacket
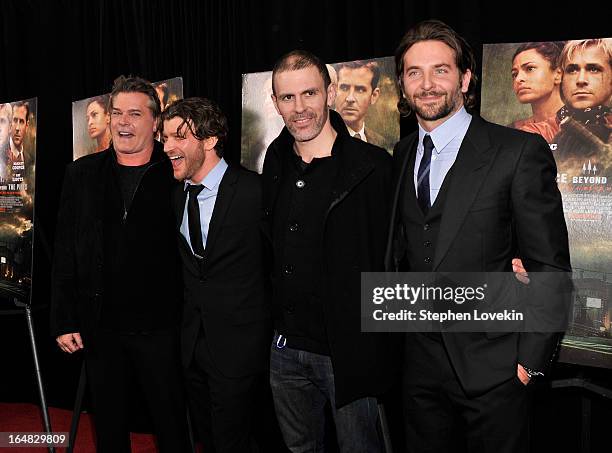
[502,201]
[228,294]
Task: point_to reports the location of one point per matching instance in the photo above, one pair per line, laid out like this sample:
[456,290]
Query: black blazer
[502,202]
[228,294]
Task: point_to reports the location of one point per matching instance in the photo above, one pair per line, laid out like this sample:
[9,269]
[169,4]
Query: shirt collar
[16,151]
[448,130]
[360,131]
[213,178]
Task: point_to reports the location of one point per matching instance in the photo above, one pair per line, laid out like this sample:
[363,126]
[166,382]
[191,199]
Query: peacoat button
[289,269]
[426,227]
[427,260]
[293,227]
[289,309]
[300,184]
[427,243]
[275,178]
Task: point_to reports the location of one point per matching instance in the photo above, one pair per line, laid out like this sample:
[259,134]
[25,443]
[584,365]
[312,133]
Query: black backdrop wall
[65,50]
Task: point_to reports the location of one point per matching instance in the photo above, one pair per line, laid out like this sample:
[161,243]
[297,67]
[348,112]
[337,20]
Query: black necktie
[193,218]
[423,175]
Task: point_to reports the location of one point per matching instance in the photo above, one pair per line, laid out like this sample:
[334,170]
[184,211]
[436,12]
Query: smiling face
[97,120]
[133,125]
[587,78]
[432,83]
[355,95]
[533,78]
[303,102]
[191,158]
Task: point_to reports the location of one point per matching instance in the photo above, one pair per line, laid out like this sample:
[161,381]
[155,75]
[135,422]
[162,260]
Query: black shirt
[299,217]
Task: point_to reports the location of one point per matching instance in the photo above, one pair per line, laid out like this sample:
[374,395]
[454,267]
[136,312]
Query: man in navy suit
[469,196]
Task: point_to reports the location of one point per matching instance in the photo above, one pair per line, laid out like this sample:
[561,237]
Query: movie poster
[366,99]
[563,91]
[91,118]
[17,170]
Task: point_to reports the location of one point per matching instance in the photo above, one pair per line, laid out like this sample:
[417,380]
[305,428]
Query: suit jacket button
[426,227]
[427,260]
[289,309]
[289,269]
[427,243]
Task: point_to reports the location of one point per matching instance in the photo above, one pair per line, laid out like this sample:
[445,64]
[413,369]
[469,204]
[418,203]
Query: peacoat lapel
[474,160]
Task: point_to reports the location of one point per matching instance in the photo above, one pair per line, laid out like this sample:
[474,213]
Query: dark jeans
[152,361]
[441,418]
[302,383]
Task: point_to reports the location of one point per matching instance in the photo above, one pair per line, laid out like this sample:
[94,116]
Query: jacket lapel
[225,195]
[395,245]
[469,171]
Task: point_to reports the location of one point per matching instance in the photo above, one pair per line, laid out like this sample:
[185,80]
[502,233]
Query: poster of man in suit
[17,170]
[366,99]
[562,90]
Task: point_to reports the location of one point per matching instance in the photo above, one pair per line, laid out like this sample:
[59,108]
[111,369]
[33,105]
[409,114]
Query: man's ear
[274,101]
[210,143]
[375,95]
[331,95]
[466,77]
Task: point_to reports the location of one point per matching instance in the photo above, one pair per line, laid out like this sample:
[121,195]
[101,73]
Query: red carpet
[28,418]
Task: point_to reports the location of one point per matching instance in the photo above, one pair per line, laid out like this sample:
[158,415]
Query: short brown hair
[133,84]
[370,65]
[300,59]
[202,116]
[435,30]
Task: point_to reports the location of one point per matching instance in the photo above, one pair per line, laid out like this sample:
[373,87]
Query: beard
[304,135]
[450,102]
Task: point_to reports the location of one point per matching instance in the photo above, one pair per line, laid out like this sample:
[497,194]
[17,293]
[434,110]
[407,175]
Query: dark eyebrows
[436,66]
[591,66]
[571,67]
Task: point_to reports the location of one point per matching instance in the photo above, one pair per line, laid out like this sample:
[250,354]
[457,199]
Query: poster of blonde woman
[91,117]
[562,90]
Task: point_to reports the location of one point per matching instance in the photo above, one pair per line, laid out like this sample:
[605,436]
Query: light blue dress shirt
[206,201]
[447,138]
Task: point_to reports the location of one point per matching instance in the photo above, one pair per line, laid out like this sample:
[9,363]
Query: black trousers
[151,361]
[440,417]
[221,407]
